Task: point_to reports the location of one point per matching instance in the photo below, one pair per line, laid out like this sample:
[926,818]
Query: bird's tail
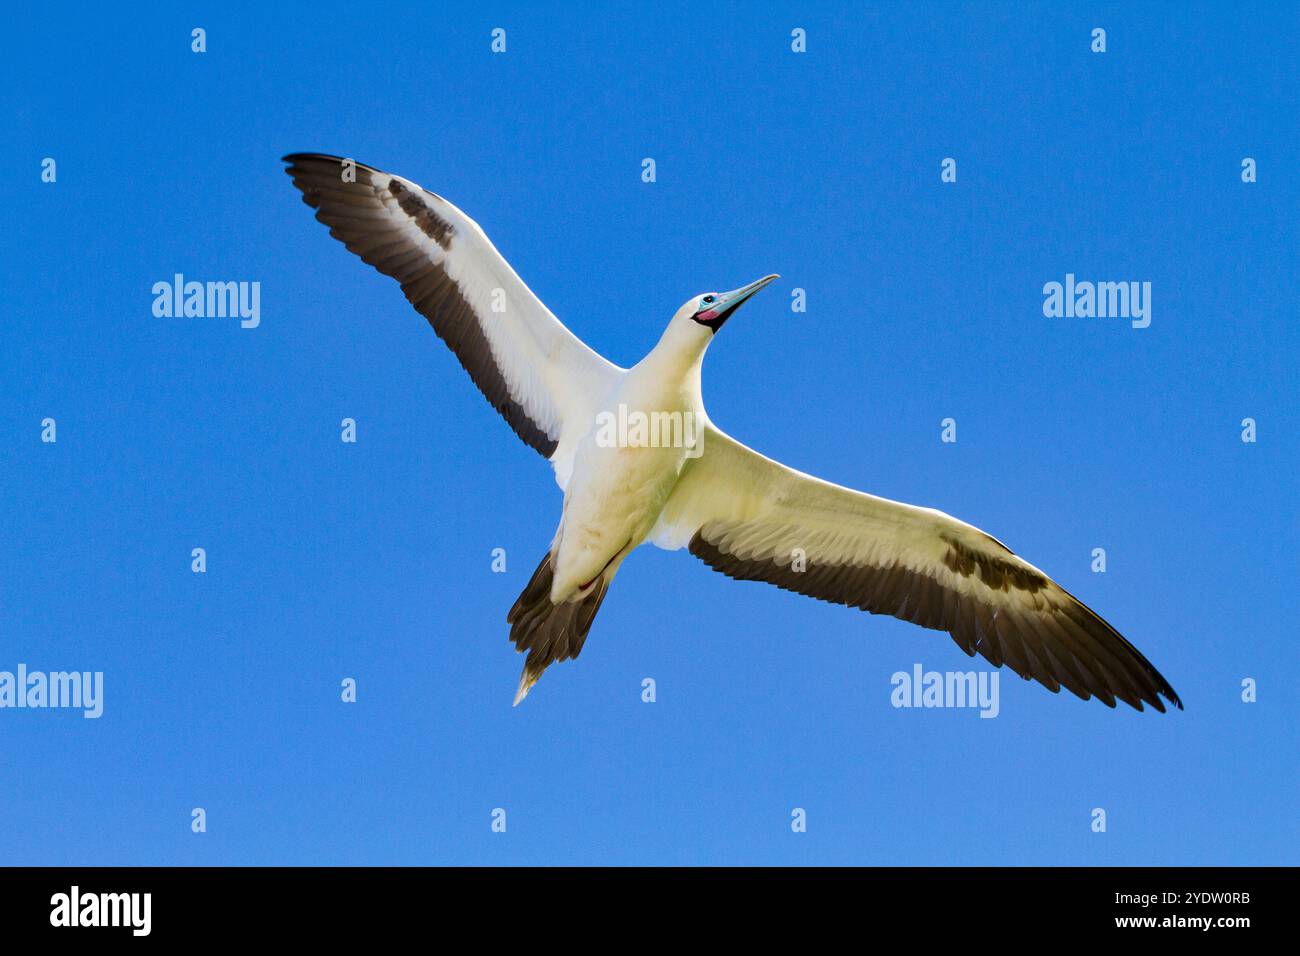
[550,632]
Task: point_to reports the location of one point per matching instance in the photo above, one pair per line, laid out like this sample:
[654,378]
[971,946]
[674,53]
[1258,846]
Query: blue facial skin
[718,307]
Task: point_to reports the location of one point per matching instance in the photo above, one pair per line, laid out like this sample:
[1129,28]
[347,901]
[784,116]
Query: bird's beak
[729,302]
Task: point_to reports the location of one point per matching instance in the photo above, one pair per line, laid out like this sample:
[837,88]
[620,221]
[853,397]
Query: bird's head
[711,309]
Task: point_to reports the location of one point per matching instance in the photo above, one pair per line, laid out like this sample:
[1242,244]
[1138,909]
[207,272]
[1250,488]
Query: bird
[691,485]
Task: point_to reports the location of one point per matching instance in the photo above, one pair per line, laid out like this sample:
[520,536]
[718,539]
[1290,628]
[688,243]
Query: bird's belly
[614,499]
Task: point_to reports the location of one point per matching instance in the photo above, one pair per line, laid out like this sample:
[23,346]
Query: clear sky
[372,560]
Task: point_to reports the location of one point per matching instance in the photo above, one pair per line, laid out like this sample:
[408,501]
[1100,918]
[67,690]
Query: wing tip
[1162,688]
[301,159]
[1154,700]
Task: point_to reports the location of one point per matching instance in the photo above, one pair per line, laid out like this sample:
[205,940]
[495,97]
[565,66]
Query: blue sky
[372,560]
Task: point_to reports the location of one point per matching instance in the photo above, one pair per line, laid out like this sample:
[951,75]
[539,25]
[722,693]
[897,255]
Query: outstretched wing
[540,376]
[756,520]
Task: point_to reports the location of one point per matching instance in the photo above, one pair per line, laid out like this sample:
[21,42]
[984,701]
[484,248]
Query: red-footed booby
[745,515]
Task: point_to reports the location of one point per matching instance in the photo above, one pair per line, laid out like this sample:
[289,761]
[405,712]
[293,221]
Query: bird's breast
[623,472]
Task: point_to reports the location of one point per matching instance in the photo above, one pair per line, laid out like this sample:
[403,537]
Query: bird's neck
[680,351]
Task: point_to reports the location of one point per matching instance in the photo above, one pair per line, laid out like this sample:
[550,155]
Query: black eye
[708,298]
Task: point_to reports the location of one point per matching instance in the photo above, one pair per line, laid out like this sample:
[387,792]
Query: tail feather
[549,632]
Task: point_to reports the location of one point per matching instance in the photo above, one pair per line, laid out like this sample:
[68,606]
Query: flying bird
[743,514]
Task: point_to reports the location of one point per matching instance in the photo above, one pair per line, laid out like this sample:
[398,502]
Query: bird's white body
[616,490]
[741,513]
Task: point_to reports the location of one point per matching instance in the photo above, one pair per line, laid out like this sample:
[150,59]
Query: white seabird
[745,515]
